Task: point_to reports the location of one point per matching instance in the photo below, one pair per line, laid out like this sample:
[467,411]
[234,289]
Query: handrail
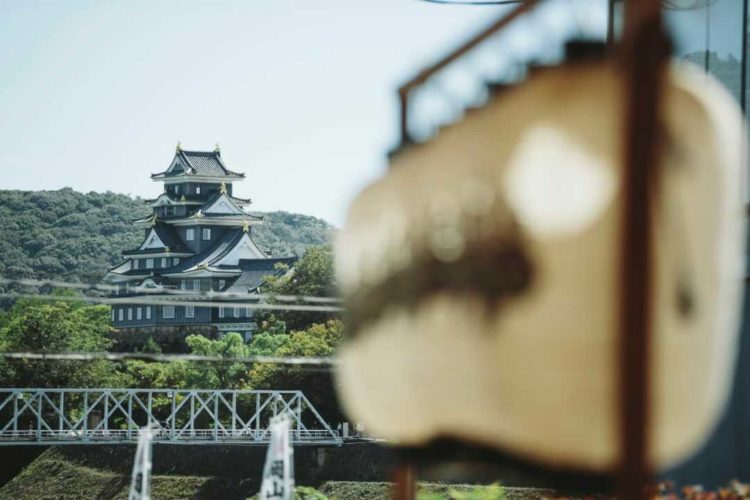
[425,74]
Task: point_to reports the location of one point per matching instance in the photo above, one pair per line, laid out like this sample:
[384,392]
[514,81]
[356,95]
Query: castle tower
[197,240]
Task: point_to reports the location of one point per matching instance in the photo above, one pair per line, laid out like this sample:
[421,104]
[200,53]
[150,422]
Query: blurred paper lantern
[481,274]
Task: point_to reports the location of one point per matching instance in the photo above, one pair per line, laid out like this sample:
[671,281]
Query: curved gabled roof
[198,163]
[161,237]
[166,199]
[221,204]
[255,271]
[219,251]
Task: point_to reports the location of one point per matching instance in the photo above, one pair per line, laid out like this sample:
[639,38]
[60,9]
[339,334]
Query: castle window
[177,189]
[163,262]
[206,233]
[120,314]
[190,234]
[237,312]
[222,283]
[175,261]
[221,312]
[130,314]
[138,313]
[136,263]
[148,312]
[113,315]
[189,311]
[183,285]
[248,312]
[149,263]
[167,312]
[197,190]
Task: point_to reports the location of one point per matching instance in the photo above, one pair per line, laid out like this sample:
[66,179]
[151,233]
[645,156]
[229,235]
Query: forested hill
[74,236]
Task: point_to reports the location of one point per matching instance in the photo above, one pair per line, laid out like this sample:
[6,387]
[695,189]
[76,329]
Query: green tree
[56,326]
[319,340]
[217,375]
[312,275]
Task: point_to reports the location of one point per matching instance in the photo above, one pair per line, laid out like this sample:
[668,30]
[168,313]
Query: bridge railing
[159,435]
[114,415]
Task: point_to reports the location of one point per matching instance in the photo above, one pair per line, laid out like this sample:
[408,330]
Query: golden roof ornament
[217,149]
[198,214]
[166,249]
[245,227]
[153,220]
[183,200]
[179,147]
[223,188]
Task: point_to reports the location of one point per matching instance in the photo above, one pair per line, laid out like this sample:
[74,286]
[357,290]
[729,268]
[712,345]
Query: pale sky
[300,94]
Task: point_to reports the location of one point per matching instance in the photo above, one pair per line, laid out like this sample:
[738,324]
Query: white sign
[278,473]
[140,484]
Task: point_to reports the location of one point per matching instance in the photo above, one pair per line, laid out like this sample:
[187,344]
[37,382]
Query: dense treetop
[74,236]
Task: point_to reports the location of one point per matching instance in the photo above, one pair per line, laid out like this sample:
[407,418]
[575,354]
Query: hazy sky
[300,94]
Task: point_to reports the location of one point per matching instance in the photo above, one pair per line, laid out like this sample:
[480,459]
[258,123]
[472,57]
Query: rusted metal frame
[743,65]
[611,22]
[643,56]
[404,482]
[403,91]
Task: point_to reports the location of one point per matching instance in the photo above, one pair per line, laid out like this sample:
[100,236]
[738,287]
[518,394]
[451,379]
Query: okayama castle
[197,240]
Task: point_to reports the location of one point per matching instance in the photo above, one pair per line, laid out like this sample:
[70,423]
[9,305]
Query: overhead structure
[106,416]
[536,277]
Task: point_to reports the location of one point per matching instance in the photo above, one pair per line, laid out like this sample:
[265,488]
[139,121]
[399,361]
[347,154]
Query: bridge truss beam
[106,416]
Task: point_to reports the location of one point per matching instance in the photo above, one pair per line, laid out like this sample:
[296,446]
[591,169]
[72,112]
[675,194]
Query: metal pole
[403,98]
[216,415]
[150,417]
[610,22]
[234,413]
[39,415]
[192,413]
[85,413]
[15,413]
[743,70]
[173,416]
[643,58]
[257,414]
[130,413]
[62,411]
[107,395]
[405,487]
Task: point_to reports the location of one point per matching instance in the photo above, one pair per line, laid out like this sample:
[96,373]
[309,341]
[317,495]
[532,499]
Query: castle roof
[223,204]
[161,238]
[205,164]
[223,257]
[255,271]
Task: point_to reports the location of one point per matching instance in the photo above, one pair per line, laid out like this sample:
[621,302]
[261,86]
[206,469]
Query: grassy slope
[53,476]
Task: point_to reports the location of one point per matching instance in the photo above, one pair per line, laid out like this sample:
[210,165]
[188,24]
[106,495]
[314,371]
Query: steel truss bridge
[110,416]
